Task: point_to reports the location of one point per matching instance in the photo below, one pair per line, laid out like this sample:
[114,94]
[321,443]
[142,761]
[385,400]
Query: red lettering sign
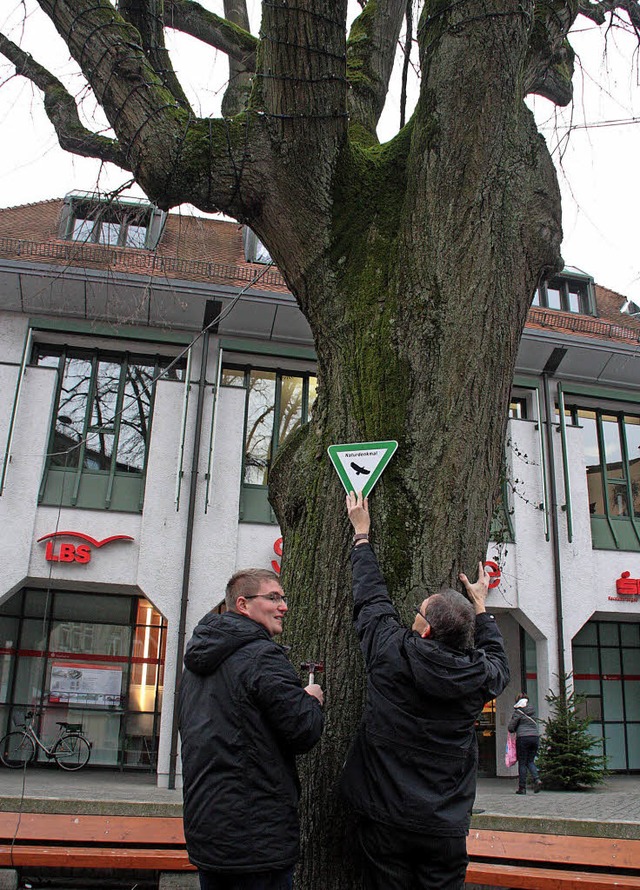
[277,549]
[77,553]
[627,586]
[494,573]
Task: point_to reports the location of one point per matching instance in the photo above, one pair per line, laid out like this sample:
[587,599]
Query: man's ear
[426,632]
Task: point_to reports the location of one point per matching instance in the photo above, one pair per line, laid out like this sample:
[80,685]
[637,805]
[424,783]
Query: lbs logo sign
[66,551]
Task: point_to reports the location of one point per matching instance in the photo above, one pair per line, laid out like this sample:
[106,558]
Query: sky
[595,142]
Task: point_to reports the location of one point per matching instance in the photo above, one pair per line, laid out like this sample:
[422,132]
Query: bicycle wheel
[17,750]
[72,752]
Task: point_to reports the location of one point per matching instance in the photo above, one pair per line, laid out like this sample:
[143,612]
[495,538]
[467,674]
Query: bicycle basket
[74,727]
[19,718]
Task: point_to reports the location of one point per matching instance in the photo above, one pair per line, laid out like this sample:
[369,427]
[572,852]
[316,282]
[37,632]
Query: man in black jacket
[411,772]
[243,718]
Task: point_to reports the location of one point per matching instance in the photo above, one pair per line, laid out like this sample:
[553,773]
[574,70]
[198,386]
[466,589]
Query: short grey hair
[452,618]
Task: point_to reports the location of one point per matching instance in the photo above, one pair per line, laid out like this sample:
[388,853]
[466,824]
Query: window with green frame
[97,455]
[611,442]
[278,402]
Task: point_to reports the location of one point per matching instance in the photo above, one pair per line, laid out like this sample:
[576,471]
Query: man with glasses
[243,718]
[411,772]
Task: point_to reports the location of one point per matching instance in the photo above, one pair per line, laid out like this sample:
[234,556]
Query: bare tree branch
[193,19]
[62,110]
[406,62]
[371,53]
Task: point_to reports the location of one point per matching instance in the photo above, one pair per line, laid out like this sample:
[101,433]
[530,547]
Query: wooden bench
[156,843]
[551,862]
[43,840]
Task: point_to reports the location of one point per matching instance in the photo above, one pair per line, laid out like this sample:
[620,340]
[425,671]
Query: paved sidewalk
[609,810]
[612,809]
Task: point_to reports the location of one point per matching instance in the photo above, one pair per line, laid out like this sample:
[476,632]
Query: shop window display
[106,673]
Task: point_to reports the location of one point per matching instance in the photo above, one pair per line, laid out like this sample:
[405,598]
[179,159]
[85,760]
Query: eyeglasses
[418,608]
[276,598]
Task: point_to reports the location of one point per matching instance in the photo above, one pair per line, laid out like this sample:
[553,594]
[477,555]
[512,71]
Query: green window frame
[606,670]
[278,402]
[101,427]
[612,439]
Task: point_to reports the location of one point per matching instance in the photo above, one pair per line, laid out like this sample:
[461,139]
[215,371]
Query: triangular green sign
[360,464]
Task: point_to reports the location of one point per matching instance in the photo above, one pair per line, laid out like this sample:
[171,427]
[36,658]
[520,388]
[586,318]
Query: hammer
[312,667]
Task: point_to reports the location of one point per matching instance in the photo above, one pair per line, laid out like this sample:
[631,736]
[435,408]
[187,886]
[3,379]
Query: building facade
[150,365]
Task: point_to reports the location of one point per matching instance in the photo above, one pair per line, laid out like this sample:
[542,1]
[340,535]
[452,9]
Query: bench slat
[524,878]
[92,857]
[570,850]
[84,829]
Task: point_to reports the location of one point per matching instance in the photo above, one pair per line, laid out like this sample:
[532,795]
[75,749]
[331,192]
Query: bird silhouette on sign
[359,470]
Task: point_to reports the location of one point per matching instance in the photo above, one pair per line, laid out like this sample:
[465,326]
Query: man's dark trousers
[270,880]
[395,858]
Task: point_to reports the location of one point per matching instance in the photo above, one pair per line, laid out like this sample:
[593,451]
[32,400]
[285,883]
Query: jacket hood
[216,637]
[451,674]
[525,709]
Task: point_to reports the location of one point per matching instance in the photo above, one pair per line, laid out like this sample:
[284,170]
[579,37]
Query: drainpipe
[212,311]
[549,370]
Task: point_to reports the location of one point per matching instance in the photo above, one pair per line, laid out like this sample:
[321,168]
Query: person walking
[243,717]
[410,775]
[525,725]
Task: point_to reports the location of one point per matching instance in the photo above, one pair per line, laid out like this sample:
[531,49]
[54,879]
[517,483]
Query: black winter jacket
[243,717]
[413,762]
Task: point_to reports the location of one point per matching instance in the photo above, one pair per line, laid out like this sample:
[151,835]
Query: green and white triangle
[360,464]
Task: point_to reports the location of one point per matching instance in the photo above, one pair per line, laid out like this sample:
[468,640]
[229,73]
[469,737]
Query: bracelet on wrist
[360,537]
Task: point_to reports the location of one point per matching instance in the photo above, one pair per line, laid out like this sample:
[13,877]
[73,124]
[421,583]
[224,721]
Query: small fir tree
[566,759]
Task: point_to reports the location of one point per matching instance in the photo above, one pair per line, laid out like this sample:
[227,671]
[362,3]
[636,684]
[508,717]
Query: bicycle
[70,749]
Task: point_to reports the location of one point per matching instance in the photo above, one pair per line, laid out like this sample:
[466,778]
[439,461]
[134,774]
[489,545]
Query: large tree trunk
[435,253]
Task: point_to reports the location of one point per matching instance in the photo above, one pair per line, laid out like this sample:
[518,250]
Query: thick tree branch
[146,16]
[371,51]
[62,110]
[597,10]
[550,62]
[237,92]
[172,155]
[193,19]
[549,66]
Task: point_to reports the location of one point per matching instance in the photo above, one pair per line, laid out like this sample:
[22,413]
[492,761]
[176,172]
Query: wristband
[360,537]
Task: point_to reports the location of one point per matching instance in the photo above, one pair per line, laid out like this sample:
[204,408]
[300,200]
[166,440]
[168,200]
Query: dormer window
[571,291]
[91,219]
[254,249]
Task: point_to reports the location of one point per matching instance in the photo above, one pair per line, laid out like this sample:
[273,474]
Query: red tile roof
[210,250]
[191,248]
